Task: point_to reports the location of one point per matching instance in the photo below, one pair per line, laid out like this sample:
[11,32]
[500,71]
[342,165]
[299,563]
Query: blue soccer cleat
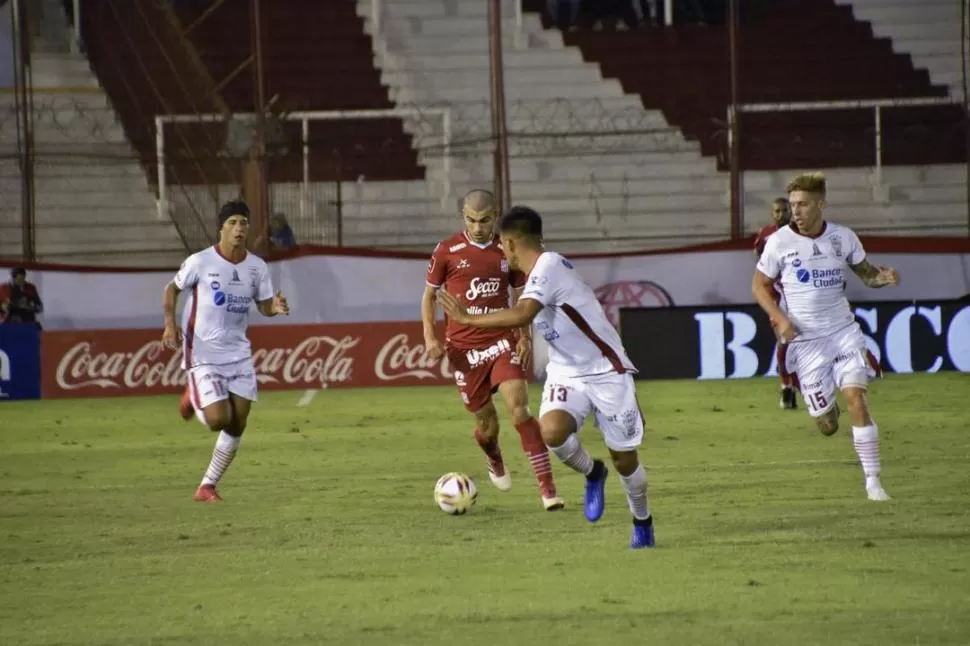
[642,534]
[595,491]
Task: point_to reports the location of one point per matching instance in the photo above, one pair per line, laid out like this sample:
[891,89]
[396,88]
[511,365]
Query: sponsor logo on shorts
[477,357]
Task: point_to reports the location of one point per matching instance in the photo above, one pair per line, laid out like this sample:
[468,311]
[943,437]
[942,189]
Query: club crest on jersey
[837,247]
[215,285]
[797,262]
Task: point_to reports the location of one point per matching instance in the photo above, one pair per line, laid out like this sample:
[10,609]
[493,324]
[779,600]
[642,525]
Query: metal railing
[304,119]
[876,105]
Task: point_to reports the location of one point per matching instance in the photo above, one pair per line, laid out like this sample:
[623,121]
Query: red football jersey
[762,237]
[478,275]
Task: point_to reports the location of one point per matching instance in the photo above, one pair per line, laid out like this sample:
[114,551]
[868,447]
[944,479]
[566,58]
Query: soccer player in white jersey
[223,281]
[826,349]
[588,371]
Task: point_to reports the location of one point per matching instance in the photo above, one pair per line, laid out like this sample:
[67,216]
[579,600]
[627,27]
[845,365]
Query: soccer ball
[455,493]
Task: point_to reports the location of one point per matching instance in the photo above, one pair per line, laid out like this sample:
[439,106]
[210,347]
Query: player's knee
[217,421]
[828,423]
[556,427]
[626,462]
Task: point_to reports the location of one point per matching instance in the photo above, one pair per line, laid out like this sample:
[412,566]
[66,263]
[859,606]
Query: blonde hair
[810,183]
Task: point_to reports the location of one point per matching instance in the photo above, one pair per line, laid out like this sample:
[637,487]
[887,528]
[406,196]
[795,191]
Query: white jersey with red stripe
[582,341]
[216,317]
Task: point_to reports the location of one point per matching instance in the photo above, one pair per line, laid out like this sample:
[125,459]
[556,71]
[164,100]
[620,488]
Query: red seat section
[316,57]
[799,50]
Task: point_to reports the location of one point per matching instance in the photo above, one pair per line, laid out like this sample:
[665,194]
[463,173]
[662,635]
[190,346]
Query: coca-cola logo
[123,362]
[487,288]
[314,360]
[145,367]
[398,359]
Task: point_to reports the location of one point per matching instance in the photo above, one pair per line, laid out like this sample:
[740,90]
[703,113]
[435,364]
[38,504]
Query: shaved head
[478,211]
[478,201]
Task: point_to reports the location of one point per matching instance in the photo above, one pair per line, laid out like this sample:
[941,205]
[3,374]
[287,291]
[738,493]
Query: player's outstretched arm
[873,276]
[521,314]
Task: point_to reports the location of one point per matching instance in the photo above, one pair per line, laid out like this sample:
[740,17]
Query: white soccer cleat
[502,482]
[554,503]
[875,491]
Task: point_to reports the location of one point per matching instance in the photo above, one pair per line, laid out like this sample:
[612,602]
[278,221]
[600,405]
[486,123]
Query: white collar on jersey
[480,245]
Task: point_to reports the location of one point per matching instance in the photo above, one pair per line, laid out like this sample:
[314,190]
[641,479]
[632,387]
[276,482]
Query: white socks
[222,456]
[573,455]
[635,485]
[866,441]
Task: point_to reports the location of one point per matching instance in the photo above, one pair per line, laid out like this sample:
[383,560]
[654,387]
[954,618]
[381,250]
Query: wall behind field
[343,286]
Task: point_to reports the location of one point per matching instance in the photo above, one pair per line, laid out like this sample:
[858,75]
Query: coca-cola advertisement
[104,363]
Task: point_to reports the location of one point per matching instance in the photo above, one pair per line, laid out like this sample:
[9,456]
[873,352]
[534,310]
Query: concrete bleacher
[92,203]
[928,30]
[572,154]
[614,163]
[656,191]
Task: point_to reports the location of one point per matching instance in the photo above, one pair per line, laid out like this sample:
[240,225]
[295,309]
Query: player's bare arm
[172,336]
[761,287]
[873,276]
[431,343]
[520,314]
[274,306]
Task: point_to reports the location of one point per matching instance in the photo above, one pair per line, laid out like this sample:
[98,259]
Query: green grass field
[329,535]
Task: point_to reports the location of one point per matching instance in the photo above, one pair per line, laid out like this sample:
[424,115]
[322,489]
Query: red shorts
[478,373]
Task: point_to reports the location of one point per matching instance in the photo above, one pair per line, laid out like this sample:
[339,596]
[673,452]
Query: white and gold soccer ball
[455,493]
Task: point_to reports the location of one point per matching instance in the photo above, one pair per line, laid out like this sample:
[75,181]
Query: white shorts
[612,397]
[209,384]
[823,365]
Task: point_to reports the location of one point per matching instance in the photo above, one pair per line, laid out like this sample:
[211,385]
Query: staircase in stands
[92,204]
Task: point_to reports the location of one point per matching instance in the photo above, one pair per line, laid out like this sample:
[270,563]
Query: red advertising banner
[104,363]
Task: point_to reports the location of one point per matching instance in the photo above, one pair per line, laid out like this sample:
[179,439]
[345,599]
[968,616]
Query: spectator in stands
[625,10]
[281,235]
[19,300]
[556,8]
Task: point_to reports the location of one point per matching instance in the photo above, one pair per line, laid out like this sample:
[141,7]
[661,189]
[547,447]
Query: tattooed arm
[873,276]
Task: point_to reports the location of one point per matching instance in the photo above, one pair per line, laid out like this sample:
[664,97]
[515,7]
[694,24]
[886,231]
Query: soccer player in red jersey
[471,266]
[780,216]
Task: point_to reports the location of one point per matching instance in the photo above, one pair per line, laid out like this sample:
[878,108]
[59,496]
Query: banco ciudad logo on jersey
[219,298]
[821,278]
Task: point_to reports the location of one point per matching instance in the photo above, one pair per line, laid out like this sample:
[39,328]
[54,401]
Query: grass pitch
[329,535]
